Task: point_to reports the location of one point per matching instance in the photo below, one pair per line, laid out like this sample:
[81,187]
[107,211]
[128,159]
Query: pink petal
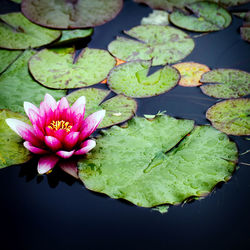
[46,163]
[38,132]
[34,149]
[35,118]
[86,147]
[71,139]
[50,102]
[63,104]
[65,154]
[24,130]
[70,168]
[91,123]
[53,143]
[29,106]
[79,106]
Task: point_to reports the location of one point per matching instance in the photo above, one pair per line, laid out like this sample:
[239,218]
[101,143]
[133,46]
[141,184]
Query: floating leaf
[12,151]
[231,116]
[7,57]
[207,17]
[229,83]
[240,14]
[18,86]
[118,109]
[171,4]
[163,44]
[245,33]
[191,73]
[131,79]
[17,32]
[131,163]
[16,1]
[57,69]
[71,36]
[157,17]
[161,209]
[71,14]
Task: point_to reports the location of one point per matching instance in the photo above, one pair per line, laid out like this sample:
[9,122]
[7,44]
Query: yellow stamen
[56,125]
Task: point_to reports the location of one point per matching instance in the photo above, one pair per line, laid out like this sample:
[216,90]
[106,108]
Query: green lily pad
[17,32]
[57,69]
[228,83]
[163,44]
[241,15]
[18,86]
[231,116]
[245,33]
[12,151]
[118,109]
[71,36]
[131,79]
[71,14]
[7,57]
[16,1]
[169,5]
[157,17]
[145,164]
[207,17]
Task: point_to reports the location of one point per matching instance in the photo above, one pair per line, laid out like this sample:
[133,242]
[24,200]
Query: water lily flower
[58,132]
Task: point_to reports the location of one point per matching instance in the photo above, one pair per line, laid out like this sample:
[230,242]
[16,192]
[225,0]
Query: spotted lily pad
[71,14]
[228,83]
[17,32]
[157,17]
[171,4]
[131,79]
[57,68]
[18,86]
[191,73]
[118,109]
[231,116]
[163,44]
[12,151]
[207,17]
[7,57]
[70,36]
[145,164]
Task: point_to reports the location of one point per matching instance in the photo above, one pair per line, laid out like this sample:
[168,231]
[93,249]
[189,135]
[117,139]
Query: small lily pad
[12,151]
[71,14]
[118,109]
[169,5]
[191,73]
[16,1]
[7,57]
[18,86]
[245,33]
[57,69]
[131,79]
[162,44]
[205,17]
[145,164]
[71,36]
[157,17]
[228,83]
[231,116]
[17,32]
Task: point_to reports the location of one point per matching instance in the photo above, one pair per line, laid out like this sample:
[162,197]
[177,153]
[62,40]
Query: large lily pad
[145,165]
[71,36]
[171,4]
[207,17]
[231,116]
[18,86]
[17,32]
[228,83]
[190,73]
[71,14]
[57,69]
[12,151]
[131,79]
[163,44]
[118,109]
[7,57]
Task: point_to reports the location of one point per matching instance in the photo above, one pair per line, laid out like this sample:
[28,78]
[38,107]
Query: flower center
[56,125]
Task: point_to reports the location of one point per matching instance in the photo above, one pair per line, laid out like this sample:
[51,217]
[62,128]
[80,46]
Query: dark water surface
[55,212]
